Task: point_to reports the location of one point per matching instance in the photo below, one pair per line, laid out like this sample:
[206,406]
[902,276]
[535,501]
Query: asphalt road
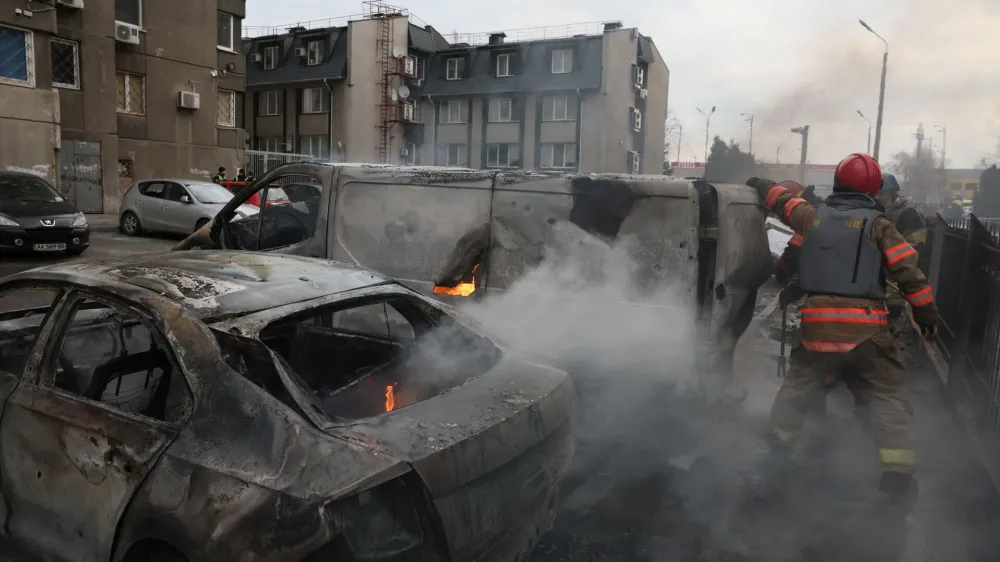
[103,245]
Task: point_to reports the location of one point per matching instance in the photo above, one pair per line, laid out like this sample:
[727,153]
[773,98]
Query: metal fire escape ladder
[386,104]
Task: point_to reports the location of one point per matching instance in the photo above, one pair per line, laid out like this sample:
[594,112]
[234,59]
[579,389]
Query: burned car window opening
[23,312]
[251,360]
[108,355]
[375,355]
[288,215]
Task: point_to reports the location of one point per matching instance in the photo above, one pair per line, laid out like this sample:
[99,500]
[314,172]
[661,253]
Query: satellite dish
[398,51]
[404,92]
[393,95]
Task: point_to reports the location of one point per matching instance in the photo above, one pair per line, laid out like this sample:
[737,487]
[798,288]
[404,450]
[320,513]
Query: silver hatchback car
[175,206]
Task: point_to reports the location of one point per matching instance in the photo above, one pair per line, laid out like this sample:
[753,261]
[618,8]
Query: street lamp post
[804,131]
[869,151]
[750,120]
[708,119]
[881,91]
[944,143]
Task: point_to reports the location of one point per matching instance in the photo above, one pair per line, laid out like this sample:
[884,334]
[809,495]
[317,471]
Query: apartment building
[383,89]
[95,93]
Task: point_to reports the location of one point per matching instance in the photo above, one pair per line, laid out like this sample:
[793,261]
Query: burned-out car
[455,233]
[215,406]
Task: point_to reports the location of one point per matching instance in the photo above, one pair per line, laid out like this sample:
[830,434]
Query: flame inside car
[463,289]
[390,398]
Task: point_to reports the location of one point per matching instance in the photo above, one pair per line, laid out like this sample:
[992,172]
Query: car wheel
[130,224]
[199,224]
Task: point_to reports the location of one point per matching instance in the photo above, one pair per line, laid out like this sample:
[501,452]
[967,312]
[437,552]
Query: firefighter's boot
[900,491]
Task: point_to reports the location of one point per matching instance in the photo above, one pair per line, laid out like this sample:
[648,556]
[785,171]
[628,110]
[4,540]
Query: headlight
[81,220]
[4,221]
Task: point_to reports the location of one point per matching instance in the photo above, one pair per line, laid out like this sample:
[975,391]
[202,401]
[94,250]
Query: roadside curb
[103,222]
[104,228]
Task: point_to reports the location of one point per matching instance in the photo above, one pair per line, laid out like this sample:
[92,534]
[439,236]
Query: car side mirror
[185,199]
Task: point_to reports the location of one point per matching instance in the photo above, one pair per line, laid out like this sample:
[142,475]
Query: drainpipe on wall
[430,99]
[579,128]
[330,135]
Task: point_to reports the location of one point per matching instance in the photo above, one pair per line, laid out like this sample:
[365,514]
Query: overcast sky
[788,62]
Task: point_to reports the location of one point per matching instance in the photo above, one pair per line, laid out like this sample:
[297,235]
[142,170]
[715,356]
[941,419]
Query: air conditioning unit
[256,57]
[301,52]
[643,93]
[636,120]
[126,33]
[409,66]
[77,4]
[637,76]
[188,100]
[408,112]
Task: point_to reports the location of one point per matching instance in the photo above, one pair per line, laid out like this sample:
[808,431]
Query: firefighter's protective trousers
[878,386]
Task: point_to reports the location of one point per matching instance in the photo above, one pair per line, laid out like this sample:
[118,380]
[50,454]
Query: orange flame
[390,398]
[463,289]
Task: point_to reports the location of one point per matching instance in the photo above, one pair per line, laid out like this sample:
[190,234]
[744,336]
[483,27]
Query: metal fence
[260,162]
[962,259]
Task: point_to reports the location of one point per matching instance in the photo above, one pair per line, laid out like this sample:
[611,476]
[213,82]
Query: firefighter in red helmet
[847,244]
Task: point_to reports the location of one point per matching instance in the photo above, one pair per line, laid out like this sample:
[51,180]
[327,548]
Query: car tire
[200,223]
[129,224]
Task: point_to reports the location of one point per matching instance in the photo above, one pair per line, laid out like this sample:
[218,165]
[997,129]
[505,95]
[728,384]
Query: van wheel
[199,224]
[129,224]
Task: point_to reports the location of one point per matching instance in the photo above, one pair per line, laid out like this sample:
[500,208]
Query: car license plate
[49,247]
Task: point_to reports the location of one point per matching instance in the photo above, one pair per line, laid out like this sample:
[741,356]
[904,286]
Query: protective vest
[838,255]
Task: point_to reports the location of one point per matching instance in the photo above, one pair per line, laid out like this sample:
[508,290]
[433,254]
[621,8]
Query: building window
[557,108]
[17,58]
[562,61]
[634,162]
[454,155]
[971,186]
[500,110]
[455,68]
[65,63]
[268,144]
[317,146]
[315,100]
[270,57]
[503,65]
[558,155]
[314,53]
[131,93]
[455,111]
[225,108]
[421,69]
[271,103]
[224,31]
[638,76]
[129,11]
[636,119]
[502,156]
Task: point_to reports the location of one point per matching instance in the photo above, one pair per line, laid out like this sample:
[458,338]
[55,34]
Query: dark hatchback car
[34,218]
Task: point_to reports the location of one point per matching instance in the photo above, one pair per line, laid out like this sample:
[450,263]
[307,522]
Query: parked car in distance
[35,218]
[220,406]
[275,195]
[174,206]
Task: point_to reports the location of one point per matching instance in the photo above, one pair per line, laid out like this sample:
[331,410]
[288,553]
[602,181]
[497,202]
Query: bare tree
[672,127]
[917,174]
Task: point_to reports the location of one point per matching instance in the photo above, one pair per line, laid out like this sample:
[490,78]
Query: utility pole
[708,119]
[919,135]
[680,136]
[881,91]
[869,151]
[750,119]
[804,131]
[777,155]
[944,143]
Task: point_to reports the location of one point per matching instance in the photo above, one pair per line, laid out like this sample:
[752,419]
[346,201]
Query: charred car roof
[214,284]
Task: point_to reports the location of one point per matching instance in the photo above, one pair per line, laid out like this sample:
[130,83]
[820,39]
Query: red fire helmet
[858,172]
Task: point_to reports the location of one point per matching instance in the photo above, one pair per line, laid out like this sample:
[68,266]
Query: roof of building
[962,173]
[531,67]
[213,283]
[292,68]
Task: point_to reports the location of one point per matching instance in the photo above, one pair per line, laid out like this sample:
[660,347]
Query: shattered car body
[247,406]
[455,233]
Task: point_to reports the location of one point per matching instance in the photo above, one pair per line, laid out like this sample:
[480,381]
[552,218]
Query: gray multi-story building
[383,89]
[94,93]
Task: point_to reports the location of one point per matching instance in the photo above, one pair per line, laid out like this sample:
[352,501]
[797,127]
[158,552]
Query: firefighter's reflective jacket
[839,256]
[836,323]
[911,224]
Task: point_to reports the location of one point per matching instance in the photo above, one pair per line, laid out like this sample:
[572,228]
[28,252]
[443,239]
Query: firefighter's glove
[761,185]
[926,320]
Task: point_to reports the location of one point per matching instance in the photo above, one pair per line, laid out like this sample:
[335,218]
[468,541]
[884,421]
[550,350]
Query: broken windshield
[379,354]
